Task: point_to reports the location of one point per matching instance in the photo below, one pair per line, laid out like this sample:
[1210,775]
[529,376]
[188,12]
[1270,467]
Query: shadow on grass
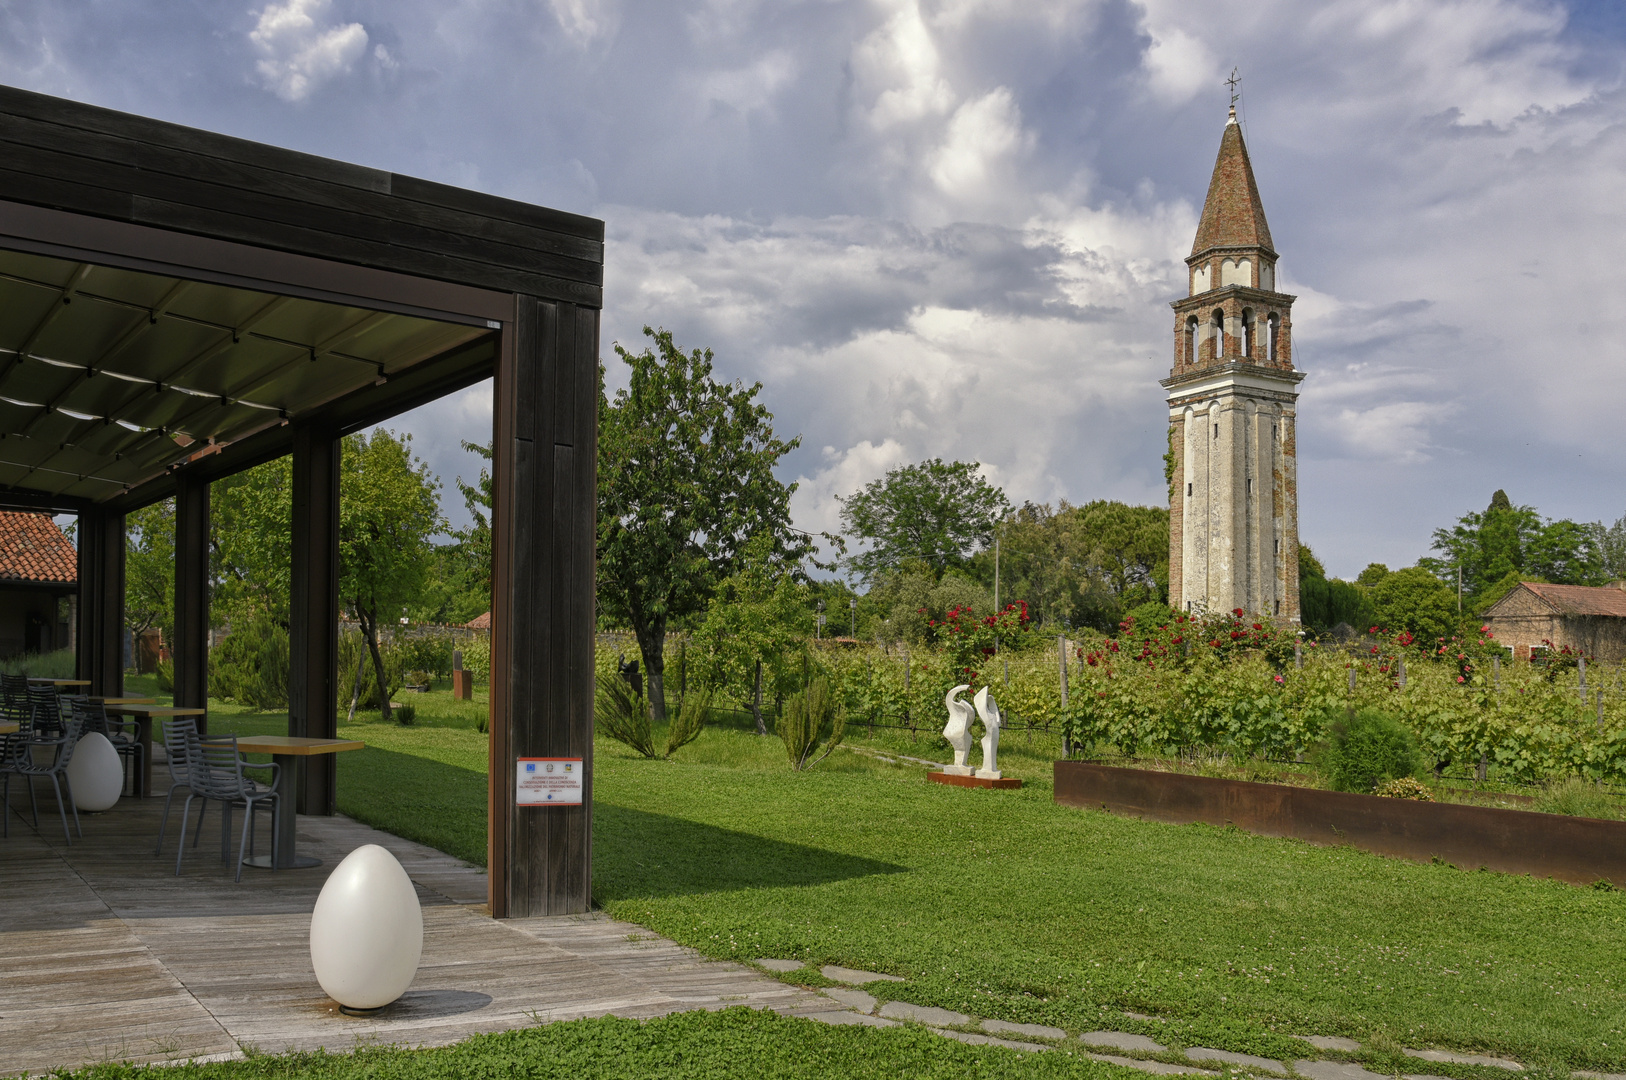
[417,798]
[639,855]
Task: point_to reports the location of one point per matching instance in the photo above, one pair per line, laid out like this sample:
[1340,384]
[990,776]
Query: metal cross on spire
[1233,82]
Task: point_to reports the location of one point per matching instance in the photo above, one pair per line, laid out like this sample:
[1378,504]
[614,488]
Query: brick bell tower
[1233,500]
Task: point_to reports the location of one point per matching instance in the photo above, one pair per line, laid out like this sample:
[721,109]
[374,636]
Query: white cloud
[751,87]
[299,52]
[984,142]
[586,21]
[1178,66]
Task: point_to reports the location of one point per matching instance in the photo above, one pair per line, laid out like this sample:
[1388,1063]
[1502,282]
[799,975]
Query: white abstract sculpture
[366,931]
[958,731]
[95,776]
[990,739]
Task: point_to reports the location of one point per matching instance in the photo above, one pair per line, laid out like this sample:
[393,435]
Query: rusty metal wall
[1577,850]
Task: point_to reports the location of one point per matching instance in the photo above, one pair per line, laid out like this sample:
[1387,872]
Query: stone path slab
[923,1014]
[779,965]
[844,1017]
[855,999]
[1206,1053]
[988,1040]
[1465,1059]
[1122,1040]
[836,973]
[1162,1068]
[1331,1042]
[1032,1031]
[1335,1070]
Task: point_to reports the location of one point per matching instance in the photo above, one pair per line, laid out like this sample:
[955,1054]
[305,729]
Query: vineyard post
[1496,670]
[1580,666]
[1061,656]
[1402,672]
[1352,678]
[1298,653]
[907,718]
[1600,706]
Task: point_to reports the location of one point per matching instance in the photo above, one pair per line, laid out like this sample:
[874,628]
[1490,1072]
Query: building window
[1188,491]
[1249,483]
[1278,607]
[1278,545]
[1275,331]
[1216,431]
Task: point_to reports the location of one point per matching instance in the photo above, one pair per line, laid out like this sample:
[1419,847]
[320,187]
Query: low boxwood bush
[1367,748]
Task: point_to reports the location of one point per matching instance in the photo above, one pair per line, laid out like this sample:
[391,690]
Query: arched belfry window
[1217,322]
[1190,349]
[1275,331]
[1247,331]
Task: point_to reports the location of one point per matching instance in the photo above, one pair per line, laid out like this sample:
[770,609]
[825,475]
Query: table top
[133,709]
[41,680]
[294,745]
[8,727]
[122,701]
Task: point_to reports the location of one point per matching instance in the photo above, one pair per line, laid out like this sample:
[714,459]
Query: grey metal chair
[54,765]
[214,771]
[178,732]
[123,734]
[11,752]
[13,686]
[45,705]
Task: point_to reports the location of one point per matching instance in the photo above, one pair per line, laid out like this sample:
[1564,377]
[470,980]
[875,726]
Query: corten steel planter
[1577,850]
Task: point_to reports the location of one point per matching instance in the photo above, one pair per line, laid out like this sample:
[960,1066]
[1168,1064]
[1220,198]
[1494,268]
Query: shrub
[1576,797]
[811,716]
[1405,788]
[1367,748]
[405,715]
[623,715]
[688,718]
[477,657]
[164,675]
[250,667]
[60,664]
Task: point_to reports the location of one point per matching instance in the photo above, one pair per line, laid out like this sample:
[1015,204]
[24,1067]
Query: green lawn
[1002,904]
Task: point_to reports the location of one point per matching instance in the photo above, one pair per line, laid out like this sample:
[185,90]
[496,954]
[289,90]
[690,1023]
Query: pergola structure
[177,306]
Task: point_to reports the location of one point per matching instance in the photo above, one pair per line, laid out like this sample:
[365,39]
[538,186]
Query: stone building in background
[39,580]
[1588,619]
[1233,497]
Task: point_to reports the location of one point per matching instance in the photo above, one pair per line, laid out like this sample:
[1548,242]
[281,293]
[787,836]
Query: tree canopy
[685,481]
[936,513]
[1507,539]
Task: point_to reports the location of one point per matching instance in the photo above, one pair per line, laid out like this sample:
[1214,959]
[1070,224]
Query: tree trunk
[651,643]
[756,702]
[369,633]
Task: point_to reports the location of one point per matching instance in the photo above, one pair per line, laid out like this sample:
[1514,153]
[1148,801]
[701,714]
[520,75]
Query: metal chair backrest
[13,686]
[46,706]
[182,743]
[218,769]
[93,715]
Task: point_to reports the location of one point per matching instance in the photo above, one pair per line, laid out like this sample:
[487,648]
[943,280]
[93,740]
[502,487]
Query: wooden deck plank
[121,959]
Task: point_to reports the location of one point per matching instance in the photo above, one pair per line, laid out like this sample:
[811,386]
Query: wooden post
[1401,662]
[1580,666]
[101,602]
[313,635]
[1061,655]
[1496,670]
[1352,678]
[545,446]
[190,647]
[1298,654]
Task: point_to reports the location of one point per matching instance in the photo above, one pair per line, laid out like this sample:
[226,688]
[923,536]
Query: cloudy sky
[953,228]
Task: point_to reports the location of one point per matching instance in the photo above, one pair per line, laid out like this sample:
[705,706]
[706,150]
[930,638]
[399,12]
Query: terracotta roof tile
[32,548]
[1582,599]
[483,622]
[1233,216]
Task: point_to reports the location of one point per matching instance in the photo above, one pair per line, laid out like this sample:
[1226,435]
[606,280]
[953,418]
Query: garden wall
[1577,850]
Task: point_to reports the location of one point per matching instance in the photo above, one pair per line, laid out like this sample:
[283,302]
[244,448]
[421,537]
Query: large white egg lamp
[94,773]
[366,931]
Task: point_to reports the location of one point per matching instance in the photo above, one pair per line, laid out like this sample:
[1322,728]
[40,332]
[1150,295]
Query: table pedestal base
[263,862]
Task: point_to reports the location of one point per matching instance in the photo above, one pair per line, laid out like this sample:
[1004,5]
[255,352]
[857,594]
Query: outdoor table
[122,700]
[8,727]
[41,680]
[143,717]
[285,751]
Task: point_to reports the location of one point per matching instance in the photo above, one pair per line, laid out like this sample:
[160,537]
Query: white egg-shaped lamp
[94,773]
[366,931]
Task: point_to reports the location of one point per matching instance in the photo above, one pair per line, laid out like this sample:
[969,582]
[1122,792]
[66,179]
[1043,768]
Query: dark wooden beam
[101,601]
[540,857]
[313,637]
[190,647]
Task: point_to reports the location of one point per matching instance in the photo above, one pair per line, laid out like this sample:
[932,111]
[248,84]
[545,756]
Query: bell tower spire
[1233,497]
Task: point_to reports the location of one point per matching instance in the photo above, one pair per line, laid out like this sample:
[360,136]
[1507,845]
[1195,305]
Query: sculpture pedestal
[954,780]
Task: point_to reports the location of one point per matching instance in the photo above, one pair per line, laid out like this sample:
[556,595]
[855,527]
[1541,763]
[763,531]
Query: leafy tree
[1508,539]
[1374,573]
[1612,549]
[935,512]
[149,568]
[916,603]
[1080,565]
[1309,565]
[1324,602]
[1415,599]
[477,537]
[755,629]
[389,507]
[685,476]
[251,514]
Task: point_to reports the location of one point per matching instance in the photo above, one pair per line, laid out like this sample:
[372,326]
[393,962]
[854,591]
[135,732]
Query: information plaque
[547,781]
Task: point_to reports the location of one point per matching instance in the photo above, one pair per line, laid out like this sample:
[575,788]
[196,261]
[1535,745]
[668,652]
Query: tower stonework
[1233,499]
